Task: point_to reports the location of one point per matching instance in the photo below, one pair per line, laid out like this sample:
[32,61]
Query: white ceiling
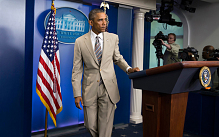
[210,1]
[179,1]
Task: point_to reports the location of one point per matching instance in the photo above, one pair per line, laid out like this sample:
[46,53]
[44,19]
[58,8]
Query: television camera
[164,15]
[215,55]
[185,5]
[158,45]
[184,54]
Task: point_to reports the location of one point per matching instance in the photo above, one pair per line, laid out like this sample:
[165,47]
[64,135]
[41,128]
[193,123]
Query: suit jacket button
[98,81]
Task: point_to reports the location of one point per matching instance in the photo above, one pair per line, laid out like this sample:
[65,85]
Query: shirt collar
[93,35]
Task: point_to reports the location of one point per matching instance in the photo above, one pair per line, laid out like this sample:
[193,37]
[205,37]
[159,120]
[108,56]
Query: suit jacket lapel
[89,46]
[106,48]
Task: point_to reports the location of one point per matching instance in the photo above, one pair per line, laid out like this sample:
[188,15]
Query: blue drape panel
[124,30]
[147,36]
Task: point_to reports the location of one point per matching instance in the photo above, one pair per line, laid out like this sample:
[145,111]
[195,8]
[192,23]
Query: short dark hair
[94,12]
[173,35]
[210,49]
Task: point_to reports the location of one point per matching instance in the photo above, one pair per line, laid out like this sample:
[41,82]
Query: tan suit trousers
[98,117]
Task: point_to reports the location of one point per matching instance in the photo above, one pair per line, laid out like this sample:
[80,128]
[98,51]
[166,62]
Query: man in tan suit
[97,50]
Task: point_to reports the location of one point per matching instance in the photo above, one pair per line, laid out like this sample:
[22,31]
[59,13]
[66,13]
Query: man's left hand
[131,70]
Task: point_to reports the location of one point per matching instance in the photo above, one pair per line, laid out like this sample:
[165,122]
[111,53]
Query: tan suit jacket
[84,53]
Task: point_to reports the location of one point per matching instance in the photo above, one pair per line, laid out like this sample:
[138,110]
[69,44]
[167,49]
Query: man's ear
[90,22]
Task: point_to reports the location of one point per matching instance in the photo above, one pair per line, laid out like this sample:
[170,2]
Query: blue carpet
[120,130]
[131,130]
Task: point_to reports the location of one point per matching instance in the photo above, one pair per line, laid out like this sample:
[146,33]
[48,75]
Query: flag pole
[46,119]
[45,133]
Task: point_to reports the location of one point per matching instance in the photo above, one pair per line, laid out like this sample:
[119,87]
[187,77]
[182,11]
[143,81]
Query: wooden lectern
[165,93]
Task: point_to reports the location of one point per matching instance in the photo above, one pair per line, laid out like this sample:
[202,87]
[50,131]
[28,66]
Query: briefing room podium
[165,94]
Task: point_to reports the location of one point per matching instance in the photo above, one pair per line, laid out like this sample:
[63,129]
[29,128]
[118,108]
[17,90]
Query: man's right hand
[77,102]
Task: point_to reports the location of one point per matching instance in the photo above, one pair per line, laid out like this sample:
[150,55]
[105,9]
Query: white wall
[203,25]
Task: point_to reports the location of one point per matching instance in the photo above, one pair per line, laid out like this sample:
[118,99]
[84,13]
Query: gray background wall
[203,25]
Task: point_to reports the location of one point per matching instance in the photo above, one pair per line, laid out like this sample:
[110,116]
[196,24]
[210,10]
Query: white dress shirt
[93,39]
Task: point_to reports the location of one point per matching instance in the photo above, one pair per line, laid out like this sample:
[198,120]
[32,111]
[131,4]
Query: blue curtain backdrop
[29,31]
[124,30]
[147,37]
[16,53]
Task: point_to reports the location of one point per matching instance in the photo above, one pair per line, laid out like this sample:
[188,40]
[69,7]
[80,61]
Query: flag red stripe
[46,99]
[47,85]
[45,66]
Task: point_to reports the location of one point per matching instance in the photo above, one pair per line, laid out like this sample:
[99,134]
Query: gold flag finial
[104,5]
[53,7]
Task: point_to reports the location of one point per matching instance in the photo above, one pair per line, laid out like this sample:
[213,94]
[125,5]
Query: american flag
[48,75]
